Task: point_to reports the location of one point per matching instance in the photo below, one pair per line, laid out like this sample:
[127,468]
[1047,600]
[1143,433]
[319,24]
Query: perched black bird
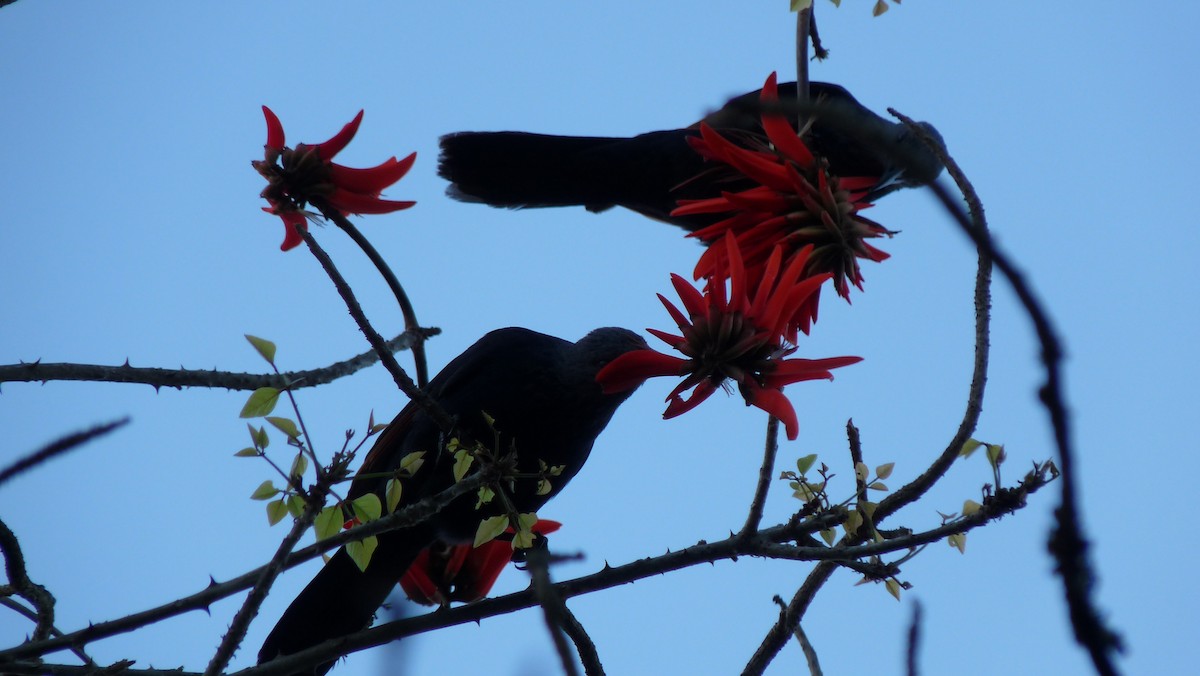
[542,394]
[649,172]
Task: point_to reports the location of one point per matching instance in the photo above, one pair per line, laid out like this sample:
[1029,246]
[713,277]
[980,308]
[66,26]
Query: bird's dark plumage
[542,394]
[648,173]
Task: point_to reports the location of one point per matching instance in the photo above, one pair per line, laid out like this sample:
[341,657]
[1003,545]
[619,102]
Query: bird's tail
[340,600]
[517,169]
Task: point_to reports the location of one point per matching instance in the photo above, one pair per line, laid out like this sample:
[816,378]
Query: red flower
[296,177]
[796,203]
[739,337]
[442,573]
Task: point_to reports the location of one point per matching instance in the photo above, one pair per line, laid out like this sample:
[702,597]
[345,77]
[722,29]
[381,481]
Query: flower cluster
[736,334]
[795,203]
[442,573]
[306,173]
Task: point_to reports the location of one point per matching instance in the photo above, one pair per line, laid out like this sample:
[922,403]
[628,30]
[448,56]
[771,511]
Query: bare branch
[181,378]
[58,447]
[766,475]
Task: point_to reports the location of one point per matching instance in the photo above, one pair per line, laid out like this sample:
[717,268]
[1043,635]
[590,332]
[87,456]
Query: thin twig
[552,606]
[241,620]
[914,640]
[810,653]
[766,476]
[403,518]
[33,372]
[1068,544]
[410,316]
[18,578]
[58,447]
[406,385]
[54,631]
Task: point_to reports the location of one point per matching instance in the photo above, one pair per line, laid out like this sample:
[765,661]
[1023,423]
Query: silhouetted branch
[181,378]
[410,316]
[58,447]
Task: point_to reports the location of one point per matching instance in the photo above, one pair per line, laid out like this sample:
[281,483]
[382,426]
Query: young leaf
[995,454]
[970,507]
[367,507]
[853,522]
[265,347]
[360,552]
[804,464]
[885,470]
[412,462]
[969,447]
[295,505]
[299,466]
[959,542]
[285,425]
[878,486]
[490,529]
[462,463]
[893,587]
[543,487]
[328,522]
[246,453]
[392,493]
[485,496]
[261,402]
[861,471]
[828,535]
[276,510]
[265,491]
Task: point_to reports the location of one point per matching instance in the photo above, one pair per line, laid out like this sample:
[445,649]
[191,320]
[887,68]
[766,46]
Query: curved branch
[58,447]
[181,378]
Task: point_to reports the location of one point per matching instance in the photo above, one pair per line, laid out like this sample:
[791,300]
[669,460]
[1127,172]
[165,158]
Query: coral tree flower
[739,337]
[796,203]
[443,573]
[306,173]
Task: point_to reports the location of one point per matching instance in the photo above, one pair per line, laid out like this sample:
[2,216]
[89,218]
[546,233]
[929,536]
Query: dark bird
[648,173]
[542,395]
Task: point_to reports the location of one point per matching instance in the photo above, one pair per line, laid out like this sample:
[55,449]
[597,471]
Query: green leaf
[490,528]
[969,447]
[258,437]
[885,470]
[276,510]
[804,464]
[970,507]
[360,552]
[246,453]
[485,496]
[853,522]
[392,492]
[959,542]
[995,454]
[828,536]
[295,505]
[265,347]
[861,471]
[328,522]
[260,403]
[299,465]
[462,463]
[367,508]
[893,587]
[265,491]
[285,425]
[376,429]
[412,462]
[799,5]
[878,486]
[543,487]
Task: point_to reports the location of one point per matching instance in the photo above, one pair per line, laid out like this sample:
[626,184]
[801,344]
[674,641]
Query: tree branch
[181,378]
[58,447]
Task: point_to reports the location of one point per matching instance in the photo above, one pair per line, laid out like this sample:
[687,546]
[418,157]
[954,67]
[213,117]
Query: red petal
[679,406]
[693,300]
[339,141]
[417,583]
[357,203]
[773,402]
[291,238]
[275,137]
[633,368]
[374,180]
[780,131]
[788,371]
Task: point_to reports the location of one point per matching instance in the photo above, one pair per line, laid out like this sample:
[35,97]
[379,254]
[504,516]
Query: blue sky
[131,229]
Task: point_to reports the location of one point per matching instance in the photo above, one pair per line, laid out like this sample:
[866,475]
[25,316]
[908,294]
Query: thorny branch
[33,372]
